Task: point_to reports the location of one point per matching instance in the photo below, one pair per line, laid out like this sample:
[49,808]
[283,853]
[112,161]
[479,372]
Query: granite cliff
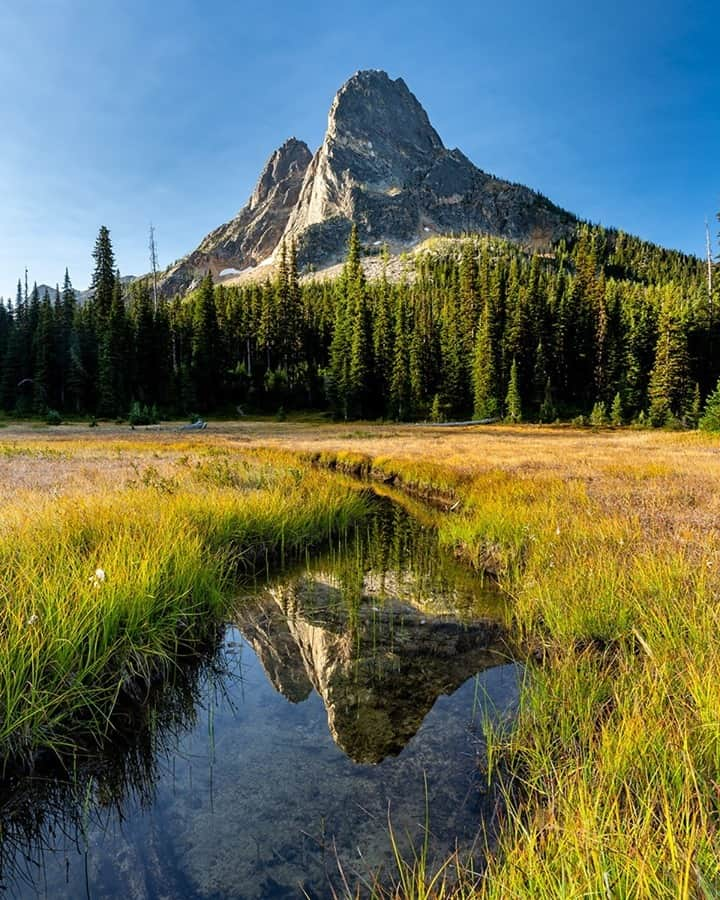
[381,166]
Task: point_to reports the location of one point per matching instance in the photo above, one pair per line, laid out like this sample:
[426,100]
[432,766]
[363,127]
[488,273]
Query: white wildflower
[97,579]
[33,619]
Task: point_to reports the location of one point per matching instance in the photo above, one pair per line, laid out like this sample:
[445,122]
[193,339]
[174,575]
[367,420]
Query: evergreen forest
[606,327]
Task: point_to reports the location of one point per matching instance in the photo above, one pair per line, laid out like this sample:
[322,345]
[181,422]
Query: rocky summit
[381,166]
[252,236]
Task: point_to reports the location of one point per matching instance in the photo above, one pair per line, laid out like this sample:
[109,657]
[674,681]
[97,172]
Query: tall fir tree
[204,367]
[485,376]
[670,386]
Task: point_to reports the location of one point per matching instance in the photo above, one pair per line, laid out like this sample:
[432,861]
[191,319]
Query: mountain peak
[381,166]
[290,158]
[253,234]
[379,129]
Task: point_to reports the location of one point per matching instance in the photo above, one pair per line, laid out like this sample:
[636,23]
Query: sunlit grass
[101,589]
[608,544]
[611,773]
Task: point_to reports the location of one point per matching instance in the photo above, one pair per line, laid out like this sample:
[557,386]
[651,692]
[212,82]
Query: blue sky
[123,113]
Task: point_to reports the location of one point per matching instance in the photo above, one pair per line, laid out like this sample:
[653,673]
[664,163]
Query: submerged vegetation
[103,587]
[613,566]
[607,545]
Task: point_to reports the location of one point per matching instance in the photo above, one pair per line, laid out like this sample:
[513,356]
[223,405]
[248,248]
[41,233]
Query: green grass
[611,773]
[166,550]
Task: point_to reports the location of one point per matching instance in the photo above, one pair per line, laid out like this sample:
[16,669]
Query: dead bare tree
[154,265]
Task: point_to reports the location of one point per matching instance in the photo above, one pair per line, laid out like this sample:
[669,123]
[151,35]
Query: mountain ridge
[381,166]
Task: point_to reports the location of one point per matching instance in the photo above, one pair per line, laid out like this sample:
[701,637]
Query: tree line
[605,326]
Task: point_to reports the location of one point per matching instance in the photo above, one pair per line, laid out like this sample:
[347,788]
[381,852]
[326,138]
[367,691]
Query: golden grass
[609,544]
[114,560]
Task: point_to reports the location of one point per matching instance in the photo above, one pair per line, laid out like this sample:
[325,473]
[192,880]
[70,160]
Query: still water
[345,694]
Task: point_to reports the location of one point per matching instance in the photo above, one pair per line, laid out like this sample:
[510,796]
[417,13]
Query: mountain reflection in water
[274,759]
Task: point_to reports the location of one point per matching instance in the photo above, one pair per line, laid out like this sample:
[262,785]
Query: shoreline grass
[100,590]
[611,773]
[609,545]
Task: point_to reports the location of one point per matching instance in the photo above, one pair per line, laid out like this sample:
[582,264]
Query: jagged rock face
[254,233]
[383,166]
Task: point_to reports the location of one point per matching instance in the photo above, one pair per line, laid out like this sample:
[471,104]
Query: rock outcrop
[254,233]
[383,167]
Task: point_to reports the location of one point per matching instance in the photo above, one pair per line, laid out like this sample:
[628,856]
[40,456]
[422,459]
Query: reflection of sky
[260,793]
[258,796]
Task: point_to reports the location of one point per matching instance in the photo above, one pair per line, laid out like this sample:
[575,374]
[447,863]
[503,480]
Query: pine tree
[454,388]
[670,387]
[548,412]
[145,390]
[13,359]
[485,380]
[103,279]
[113,358]
[641,329]
[65,321]
[469,307]
[399,399]
[710,419]
[45,362]
[382,337]
[360,362]
[513,404]
[349,348]
[598,416]
[204,366]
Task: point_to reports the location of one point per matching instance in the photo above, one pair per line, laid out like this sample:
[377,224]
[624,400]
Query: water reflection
[378,668]
[271,762]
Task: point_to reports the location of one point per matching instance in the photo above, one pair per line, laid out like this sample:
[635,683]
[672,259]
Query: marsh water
[347,693]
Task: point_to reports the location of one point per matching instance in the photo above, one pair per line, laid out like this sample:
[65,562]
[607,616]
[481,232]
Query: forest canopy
[605,326]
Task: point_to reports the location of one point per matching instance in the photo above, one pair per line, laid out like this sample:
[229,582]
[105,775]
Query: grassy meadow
[118,557]
[608,543]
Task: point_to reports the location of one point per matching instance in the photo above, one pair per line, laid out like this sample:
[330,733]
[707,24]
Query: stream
[346,696]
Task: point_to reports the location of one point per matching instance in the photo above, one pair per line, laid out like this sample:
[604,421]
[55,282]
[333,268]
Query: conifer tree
[204,360]
[113,358]
[349,347]
[710,419]
[696,407]
[44,353]
[670,387]
[65,321]
[144,342]
[485,380]
[13,360]
[513,404]
[103,278]
[548,412]
[399,399]
[382,337]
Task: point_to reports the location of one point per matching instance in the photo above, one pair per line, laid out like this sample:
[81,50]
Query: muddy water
[344,695]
